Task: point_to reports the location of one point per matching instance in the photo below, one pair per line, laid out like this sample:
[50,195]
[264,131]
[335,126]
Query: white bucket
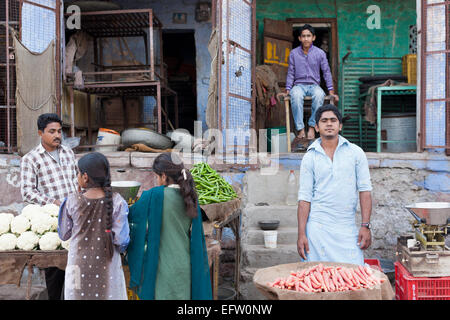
[107,136]
[279,142]
[270,239]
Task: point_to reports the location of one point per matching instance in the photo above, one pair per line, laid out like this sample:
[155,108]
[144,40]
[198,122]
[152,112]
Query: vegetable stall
[30,239]
[221,202]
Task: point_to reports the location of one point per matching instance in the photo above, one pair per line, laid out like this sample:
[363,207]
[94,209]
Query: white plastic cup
[270,239]
[412,243]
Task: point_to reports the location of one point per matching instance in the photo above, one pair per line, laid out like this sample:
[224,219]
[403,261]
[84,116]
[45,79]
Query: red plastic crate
[408,287]
[374,263]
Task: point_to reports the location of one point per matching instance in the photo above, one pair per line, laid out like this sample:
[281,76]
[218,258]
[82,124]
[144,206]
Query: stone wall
[398,180]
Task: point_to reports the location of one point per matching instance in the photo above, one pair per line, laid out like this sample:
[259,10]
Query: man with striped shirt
[48,175]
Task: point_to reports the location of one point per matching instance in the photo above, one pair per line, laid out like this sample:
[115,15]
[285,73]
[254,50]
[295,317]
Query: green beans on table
[211,186]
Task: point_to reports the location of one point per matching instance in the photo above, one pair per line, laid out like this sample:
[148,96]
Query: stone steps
[286,214]
[258,256]
[254,255]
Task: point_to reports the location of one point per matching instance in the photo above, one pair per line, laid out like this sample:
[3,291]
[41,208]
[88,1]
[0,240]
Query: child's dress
[90,275]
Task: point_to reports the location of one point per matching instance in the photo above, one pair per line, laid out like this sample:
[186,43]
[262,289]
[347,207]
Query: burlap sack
[12,263]
[263,276]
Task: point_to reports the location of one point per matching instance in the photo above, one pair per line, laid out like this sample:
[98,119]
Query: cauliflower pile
[34,229]
[5,222]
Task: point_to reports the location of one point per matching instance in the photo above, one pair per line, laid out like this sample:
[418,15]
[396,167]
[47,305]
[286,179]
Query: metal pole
[158,101]
[58,57]
[89,118]
[72,113]
[152,58]
[423,57]
[379,97]
[8,102]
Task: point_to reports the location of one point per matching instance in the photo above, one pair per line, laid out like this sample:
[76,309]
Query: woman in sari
[167,253]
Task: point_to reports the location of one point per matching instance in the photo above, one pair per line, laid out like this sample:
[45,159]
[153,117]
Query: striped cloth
[43,179]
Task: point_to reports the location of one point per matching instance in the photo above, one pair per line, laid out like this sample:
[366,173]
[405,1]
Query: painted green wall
[391,40]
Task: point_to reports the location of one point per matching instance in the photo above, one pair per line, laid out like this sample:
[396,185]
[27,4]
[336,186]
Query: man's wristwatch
[367,225]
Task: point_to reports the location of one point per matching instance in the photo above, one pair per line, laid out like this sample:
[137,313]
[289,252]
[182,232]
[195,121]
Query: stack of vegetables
[211,186]
[328,279]
[34,229]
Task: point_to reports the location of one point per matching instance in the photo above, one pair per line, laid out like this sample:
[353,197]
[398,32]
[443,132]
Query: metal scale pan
[431,213]
[432,258]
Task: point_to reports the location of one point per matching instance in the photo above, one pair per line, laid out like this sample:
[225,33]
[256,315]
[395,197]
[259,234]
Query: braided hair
[173,168]
[96,166]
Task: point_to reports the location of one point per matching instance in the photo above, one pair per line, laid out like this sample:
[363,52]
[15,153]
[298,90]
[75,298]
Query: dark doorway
[179,56]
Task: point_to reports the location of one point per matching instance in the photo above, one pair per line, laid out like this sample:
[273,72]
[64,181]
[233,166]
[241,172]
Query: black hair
[46,118]
[328,107]
[307,27]
[96,166]
[172,167]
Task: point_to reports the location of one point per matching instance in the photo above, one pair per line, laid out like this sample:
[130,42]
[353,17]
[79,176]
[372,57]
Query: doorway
[326,39]
[179,56]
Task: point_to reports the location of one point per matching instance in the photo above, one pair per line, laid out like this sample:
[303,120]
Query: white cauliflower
[51,209]
[49,241]
[40,224]
[27,240]
[5,222]
[54,222]
[65,244]
[20,224]
[30,210]
[8,241]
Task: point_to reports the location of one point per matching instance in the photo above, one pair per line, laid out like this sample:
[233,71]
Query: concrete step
[258,256]
[247,289]
[285,235]
[286,214]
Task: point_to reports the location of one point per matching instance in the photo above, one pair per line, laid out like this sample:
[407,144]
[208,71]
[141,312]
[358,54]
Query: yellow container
[409,66]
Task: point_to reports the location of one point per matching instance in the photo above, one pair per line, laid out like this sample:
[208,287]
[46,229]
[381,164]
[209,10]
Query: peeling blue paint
[290,164]
[439,182]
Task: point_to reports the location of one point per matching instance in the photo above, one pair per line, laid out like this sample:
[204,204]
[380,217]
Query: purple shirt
[305,69]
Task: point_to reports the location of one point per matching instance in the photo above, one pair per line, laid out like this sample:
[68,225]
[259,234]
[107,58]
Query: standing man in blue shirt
[303,79]
[333,173]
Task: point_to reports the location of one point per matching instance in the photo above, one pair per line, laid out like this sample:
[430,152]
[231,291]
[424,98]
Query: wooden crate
[409,67]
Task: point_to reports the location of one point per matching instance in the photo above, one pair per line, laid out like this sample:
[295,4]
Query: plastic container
[226,293]
[409,67]
[291,196]
[107,136]
[408,287]
[279,143]
[270,239]
[374,263]
[270,133]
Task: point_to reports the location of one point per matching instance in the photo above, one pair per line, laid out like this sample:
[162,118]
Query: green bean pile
[211,186]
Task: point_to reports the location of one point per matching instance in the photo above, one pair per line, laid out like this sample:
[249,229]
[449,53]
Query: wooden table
[233,221]
[12,264]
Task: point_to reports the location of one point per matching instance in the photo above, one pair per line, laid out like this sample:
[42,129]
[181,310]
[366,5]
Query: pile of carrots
[328,279]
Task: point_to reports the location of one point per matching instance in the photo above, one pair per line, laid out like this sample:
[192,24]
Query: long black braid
[96,166]
[173,167]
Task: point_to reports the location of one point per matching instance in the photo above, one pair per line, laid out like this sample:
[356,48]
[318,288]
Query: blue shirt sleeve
[305,191]
[65,222]
[363,182]
[120,228]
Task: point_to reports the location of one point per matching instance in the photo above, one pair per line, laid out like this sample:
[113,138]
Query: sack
[262,277]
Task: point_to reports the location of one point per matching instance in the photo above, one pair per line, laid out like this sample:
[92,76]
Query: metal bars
[236,23]
[13,17]
[435,73]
